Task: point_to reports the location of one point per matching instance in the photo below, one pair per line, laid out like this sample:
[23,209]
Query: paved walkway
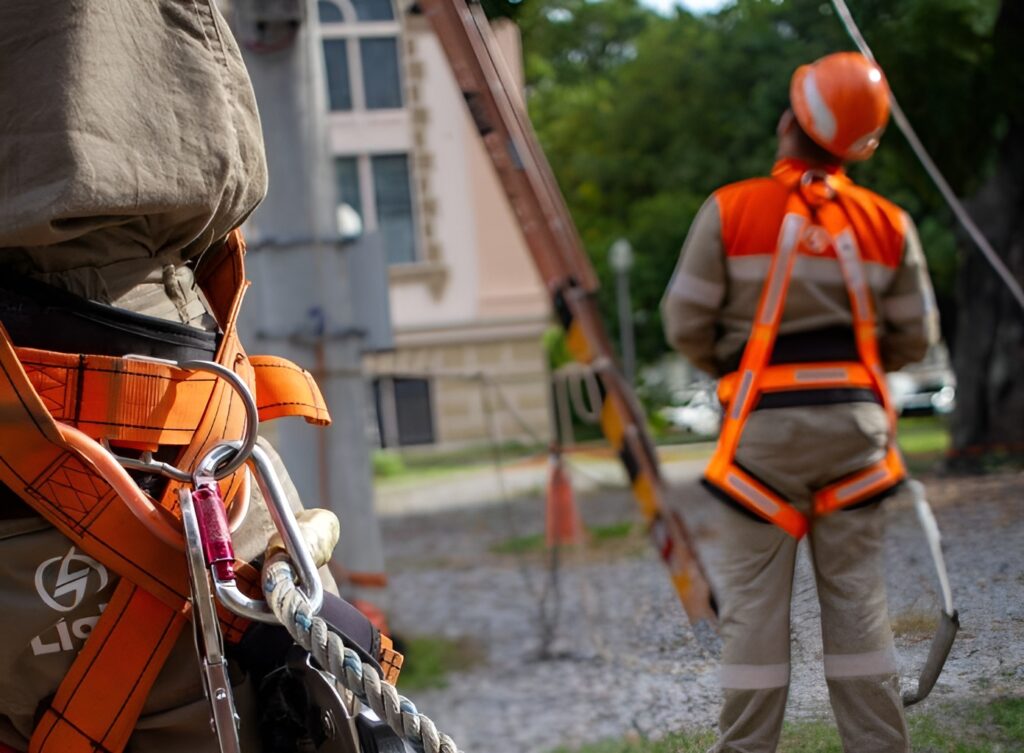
[483,485]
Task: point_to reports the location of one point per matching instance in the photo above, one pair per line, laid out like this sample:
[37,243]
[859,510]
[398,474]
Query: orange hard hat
[842,102]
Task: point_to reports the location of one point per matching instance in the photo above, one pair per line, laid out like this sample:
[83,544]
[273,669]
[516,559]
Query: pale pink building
[465,297]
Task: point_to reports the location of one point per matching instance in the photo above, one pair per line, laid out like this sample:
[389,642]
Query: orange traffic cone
[562,519]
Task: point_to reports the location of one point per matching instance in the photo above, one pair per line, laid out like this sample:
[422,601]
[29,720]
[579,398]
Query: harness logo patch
[63,587]
[63,584]
[816,239]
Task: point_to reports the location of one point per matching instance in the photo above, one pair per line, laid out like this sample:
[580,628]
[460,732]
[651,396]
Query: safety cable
[929,165]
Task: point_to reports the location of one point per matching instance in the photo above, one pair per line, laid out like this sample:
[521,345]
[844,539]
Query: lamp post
[620,258]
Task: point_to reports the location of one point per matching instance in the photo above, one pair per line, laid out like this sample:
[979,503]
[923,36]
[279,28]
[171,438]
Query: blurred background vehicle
[699,412]
[924,388]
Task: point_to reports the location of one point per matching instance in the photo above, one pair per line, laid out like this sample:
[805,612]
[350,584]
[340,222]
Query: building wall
[440,288]
[478,375]
[471,301]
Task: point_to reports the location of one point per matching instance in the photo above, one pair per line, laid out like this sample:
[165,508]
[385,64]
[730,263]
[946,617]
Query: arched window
[374,10]
[330,13]
[361,54]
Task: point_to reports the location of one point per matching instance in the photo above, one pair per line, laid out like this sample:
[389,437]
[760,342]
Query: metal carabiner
[284,520]
[209,641]
[242,449]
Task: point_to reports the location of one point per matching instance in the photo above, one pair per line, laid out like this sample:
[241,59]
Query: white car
[701,414]
[924,388]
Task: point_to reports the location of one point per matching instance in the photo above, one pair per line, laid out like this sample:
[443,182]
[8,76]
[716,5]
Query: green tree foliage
[642,116]
[501,8]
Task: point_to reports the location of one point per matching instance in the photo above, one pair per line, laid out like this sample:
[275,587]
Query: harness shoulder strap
[890,471]
[722,471]
[740,391]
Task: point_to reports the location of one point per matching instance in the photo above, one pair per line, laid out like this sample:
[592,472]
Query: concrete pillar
[300,305]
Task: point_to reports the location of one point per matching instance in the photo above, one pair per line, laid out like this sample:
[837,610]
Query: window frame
[385,398]
[352,30]
[367,184]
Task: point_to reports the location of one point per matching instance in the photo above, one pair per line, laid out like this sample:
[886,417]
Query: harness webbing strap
[66,490]
[98,702]
[126,648]
[284,389]
[803,376]
[741,390]
[137,403]
[722,471]
[96,706]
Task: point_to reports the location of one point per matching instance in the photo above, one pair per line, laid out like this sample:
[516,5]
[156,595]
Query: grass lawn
[924,441]
[535,542]
[923,434]
[993,727]
[393,466]
[429,659]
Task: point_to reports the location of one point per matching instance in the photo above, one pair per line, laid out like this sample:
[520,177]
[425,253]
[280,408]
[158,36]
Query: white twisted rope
[291,607]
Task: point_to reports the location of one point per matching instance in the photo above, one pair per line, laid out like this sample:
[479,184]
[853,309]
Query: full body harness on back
[816,201]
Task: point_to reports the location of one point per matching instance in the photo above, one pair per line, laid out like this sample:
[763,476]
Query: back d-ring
[242,448]
[252,417]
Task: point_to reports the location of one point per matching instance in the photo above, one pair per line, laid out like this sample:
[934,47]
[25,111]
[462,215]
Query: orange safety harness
[48,401]
[817,200]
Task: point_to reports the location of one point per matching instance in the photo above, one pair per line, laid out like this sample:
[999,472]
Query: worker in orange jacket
[799,291]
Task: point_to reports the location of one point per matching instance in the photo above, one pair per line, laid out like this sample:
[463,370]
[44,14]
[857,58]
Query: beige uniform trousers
[797,450]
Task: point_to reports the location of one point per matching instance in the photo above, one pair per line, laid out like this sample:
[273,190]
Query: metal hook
[284,520]
[811,183]
[227,464]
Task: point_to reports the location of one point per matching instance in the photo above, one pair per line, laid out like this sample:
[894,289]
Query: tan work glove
[320,530]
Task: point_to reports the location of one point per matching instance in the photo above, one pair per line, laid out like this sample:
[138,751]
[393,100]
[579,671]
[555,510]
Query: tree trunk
[989,357]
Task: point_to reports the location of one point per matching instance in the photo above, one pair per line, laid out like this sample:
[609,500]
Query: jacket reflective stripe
[754,268]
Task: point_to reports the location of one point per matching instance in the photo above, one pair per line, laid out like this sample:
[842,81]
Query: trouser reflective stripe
[881,662]
[754,676]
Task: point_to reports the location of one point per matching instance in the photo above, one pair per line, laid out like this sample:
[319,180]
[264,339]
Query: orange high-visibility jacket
[762,288]
[713,296]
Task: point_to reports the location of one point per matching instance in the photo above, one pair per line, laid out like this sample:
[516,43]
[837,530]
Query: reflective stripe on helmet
[822,118]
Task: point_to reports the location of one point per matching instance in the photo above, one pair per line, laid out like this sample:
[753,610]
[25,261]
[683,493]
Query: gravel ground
[623,659]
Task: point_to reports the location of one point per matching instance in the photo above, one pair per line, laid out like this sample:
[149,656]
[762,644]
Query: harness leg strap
[132,639]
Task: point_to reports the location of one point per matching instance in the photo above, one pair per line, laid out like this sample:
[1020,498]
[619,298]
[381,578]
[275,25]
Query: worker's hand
[320,530]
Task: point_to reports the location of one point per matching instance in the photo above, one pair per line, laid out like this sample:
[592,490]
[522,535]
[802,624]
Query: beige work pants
[797,450]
